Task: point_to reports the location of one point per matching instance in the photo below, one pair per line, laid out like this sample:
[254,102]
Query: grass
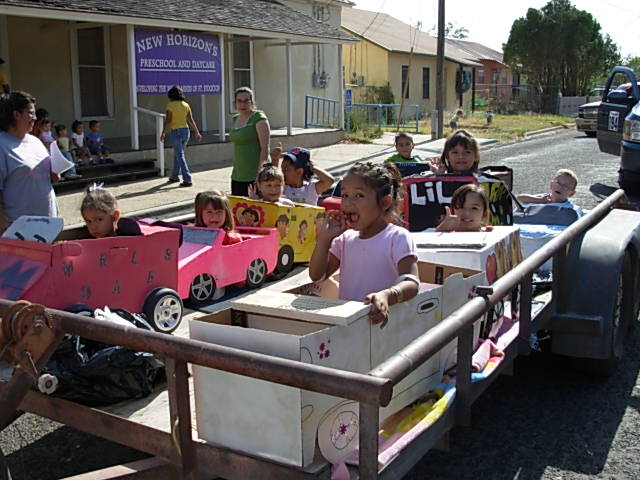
[504,128]
[363,134]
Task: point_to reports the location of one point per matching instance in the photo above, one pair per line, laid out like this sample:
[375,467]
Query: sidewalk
[141,195]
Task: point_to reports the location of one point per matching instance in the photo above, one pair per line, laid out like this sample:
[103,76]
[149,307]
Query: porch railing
[321,112]
[159,127]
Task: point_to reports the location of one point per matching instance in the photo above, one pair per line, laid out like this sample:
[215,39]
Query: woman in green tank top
[250,136]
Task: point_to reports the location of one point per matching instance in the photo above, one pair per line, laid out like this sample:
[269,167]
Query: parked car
[587,119]
[618,109]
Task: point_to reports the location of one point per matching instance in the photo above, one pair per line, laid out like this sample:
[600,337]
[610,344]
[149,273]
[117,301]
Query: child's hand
[253,192]
[450,222]
[436,164]
[379,312]
[334,225]
[276,153]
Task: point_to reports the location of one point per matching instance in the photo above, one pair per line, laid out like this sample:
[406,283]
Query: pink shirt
[370,265]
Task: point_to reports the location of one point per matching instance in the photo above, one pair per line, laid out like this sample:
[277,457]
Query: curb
[542,131]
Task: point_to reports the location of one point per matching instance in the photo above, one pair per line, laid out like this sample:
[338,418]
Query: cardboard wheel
[256,273]
[338,432]
[163,309]
[202,289]
[285,259]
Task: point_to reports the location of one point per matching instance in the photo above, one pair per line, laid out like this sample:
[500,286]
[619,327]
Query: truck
[618,125]
[593,303]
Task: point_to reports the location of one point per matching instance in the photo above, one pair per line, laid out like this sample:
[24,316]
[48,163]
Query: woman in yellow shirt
[177,122]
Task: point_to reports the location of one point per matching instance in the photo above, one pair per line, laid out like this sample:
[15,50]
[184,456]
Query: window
[91,58]
[494,76]
[405,81]
[480,74]
[425,82]
[241,74]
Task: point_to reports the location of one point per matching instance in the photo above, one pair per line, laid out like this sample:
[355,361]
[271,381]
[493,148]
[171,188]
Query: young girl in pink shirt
[377,259]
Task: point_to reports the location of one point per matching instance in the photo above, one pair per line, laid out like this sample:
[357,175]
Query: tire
[163,309]
[285,259]
[256,273]
[202,289]
[629,181]
[591,134]
[622,318]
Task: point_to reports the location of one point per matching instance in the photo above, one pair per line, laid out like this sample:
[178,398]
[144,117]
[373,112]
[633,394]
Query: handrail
[341,383]
[159,127]
[417,352]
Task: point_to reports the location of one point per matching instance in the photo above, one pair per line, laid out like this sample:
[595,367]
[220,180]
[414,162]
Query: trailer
[594,300]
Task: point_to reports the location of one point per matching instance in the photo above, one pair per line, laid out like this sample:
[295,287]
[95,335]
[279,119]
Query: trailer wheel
[202,289]
[622,318]
[256,273]
[285,259]
[163,309]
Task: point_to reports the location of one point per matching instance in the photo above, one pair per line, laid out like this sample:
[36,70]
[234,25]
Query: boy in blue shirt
[95,142]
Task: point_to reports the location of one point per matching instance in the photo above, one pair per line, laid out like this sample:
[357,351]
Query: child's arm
[264,132]
[405,289]
[323,263]
[276,153]
[527,198]
[450,222]
[326,179]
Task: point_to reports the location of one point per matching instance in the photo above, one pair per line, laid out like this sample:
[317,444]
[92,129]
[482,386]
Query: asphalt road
[546,422]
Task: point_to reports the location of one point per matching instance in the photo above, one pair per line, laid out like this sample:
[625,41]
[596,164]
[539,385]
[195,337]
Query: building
[389,50]
[81,58]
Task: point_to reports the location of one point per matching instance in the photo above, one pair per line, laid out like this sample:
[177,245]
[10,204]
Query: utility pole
[440,72]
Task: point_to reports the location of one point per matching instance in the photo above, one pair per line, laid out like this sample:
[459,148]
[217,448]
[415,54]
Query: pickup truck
[615,115]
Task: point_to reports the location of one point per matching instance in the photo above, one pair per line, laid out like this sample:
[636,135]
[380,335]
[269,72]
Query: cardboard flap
[302,307]
[472,240]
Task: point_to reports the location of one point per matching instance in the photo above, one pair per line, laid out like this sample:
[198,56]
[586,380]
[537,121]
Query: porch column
[133,94]
[223,93]
[289,90]
[340,90]
[4,48]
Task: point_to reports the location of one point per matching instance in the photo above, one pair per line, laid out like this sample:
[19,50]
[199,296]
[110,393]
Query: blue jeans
[179,138]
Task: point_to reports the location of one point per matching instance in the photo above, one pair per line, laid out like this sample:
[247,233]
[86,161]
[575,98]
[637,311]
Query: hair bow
[96,186]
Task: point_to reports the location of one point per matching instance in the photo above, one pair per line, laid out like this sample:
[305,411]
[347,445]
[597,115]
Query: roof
[265,18]
[477,50]
[393,35]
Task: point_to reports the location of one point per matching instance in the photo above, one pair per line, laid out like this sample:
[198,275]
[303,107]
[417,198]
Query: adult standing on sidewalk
[178,121]
[250,134]
[25,164]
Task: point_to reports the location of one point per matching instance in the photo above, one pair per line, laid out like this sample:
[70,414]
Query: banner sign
[165,58]
[426,196]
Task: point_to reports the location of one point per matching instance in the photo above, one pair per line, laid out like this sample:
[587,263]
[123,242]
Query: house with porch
[494,79]
[113,61]
[393,52]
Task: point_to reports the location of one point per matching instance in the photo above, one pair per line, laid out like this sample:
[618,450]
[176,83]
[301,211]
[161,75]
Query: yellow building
[391,51]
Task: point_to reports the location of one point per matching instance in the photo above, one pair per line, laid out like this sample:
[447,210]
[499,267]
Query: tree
[560,46]
[633,63]
[452,31]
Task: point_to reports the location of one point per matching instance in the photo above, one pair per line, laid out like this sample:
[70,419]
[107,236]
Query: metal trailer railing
[29,334]
[321,112]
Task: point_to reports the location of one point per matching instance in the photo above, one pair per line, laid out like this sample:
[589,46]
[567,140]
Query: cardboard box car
[496,251]
[296,226]
[283,423]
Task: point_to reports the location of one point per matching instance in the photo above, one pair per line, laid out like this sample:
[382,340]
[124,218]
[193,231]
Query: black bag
[94,373]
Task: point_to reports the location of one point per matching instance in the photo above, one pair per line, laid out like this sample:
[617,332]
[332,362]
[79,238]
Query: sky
[489,22]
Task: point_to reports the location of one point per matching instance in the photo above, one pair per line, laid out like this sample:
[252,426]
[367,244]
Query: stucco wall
[368,60]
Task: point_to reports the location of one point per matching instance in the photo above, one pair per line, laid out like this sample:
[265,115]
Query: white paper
[59,163]
[35,229]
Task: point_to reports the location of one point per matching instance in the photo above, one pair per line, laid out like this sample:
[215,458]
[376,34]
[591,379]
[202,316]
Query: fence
[321,112]
[507,98]
[384,115]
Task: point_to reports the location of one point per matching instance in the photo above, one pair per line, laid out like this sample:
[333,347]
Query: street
[546,422]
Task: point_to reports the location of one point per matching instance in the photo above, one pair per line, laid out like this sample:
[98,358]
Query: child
[377,259]
[461,154]
[41,115]
[63,146]
[298,169]
[46,136]
[453,123]
[561,187]
[213,210]
[78,147]
[100,212]
[95,142]
[270,185]
[468,212]
[404,147]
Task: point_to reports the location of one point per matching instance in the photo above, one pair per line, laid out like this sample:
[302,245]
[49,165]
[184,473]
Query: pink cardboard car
[206,266]
[137,272]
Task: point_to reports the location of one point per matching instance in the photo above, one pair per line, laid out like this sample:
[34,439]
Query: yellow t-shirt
[179,112]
